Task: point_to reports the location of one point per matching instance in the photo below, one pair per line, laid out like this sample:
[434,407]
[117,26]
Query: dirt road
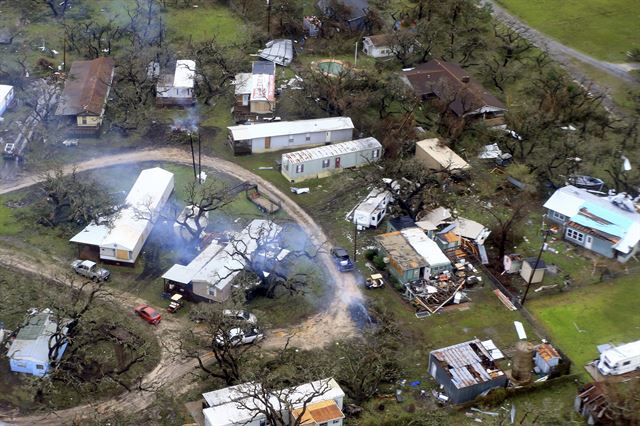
[564,54]
[323,328]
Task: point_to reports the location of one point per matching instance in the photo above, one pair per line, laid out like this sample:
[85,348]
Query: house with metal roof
[314,404]
[122,240]
[255,92]
[278,135]
[29,352]
[435,155]
[609,226]
[85,94]
[209,276]
[465,370]
[177,88]
[454,87]
[329,159]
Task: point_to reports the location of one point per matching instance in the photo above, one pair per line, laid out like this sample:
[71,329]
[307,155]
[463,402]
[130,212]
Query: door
[588,241]
[122,254]
[327,137]
[267,142]
[337,162]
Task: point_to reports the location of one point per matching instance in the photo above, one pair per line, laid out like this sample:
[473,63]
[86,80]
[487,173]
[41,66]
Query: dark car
[148,314]
[341,257]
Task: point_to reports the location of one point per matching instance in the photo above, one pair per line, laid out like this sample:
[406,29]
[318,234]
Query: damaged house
[255,92]
[209,276]
[122,240]
[352,12]
[177,89]
[609,226]
[279,135]
[465,371]
[85,94]
[453,86]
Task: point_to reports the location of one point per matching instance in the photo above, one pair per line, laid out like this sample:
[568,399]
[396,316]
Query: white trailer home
[615,360]
[177,88]
[372,210]
[123,240]
[326,160]
[279,135]
[6,97]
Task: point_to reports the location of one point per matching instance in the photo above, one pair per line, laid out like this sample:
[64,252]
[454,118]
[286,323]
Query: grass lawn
[211,21]
[605,29]
[580,320]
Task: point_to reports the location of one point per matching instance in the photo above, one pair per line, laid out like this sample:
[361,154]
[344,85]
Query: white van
[620,360]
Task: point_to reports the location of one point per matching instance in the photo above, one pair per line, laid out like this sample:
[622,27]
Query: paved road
[323,328]
[564,54]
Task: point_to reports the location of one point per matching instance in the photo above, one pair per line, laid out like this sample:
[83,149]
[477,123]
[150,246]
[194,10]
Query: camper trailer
[622,359]
[372,210]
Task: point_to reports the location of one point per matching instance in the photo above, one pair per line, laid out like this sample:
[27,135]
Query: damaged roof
[447,81]
[467,363]
[399,249]
[87,87]
[278,51]
[328,151]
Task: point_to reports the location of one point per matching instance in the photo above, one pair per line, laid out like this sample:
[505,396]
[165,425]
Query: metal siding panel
[602,247]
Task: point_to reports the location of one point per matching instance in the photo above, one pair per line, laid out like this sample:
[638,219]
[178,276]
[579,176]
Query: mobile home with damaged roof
[85,94]
[177,89]
[255,92]
[329,159]
[279,135]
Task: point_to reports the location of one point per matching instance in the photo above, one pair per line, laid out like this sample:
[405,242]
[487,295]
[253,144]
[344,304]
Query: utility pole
[355,241]
[193,158]
[355,56]
[269,17]
[546,233]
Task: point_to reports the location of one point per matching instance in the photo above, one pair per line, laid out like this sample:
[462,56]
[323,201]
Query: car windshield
[341,253]
[243,315]
[151,312]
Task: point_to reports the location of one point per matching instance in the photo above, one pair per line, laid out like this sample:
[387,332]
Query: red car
[148,314]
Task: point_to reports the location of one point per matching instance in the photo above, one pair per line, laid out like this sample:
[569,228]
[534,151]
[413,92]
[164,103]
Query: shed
[29,352]
[512,263]
[6,97]
[546,358]
[123,240]
[529,267]
[279,135]
[177,88]
[329,159]
[465,370]
[435,155]
[377,46]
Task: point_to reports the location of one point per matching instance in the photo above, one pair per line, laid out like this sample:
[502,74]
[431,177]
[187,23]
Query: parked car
[341,257]
[374,281]
[89,269]
[240,316]
[148,314]
[238,336]
[70,142]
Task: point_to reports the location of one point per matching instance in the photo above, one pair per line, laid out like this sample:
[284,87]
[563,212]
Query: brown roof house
[448,82]
[85,94]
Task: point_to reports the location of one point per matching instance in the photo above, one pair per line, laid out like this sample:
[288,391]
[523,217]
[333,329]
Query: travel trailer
[622,359]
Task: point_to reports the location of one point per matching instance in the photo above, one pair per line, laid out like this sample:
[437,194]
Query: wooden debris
[505,300]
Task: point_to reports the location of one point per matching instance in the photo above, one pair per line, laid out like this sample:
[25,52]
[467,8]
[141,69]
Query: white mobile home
[29,352]
[326,160]
[436,261]
[278,135]
[6,97]
[620,359]
[177,88]
[122,241]
[371,210]
[378,46]
[209,277]
[234,406]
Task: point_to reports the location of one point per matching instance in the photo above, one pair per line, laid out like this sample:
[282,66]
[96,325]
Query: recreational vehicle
[620,359]
[372,210]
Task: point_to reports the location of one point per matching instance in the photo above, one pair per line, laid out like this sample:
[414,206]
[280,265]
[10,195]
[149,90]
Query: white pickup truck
[89,269]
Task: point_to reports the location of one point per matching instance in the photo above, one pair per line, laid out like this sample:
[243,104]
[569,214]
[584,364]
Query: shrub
[370,254]
[378,262]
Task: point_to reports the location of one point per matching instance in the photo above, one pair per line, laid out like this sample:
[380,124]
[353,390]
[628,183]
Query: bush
[370,254]
[378,262]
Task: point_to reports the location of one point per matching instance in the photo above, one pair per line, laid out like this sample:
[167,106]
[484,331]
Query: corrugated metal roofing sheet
[332,150]
[281,128]
[464,362]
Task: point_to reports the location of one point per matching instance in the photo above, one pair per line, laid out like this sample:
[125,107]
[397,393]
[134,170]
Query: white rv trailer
[370,212]
[620,359]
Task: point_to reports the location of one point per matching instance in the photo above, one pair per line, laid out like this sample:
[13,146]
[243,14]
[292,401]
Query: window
[335,422]
[375,153]
[83,120]
[323,424]
[626,363]
[39,367]
[559,216]
[308,137]
[286,166]
[245,100]
[326,163]
[290,138]
[263,423]
[572,234]
[299,168]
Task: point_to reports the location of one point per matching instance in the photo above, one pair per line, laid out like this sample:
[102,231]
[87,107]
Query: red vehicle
[148,314]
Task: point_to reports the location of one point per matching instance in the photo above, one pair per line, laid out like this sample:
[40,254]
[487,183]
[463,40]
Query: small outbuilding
[546,358]
[177,89]
[512,263]
[465,370]
[29,352]
[530,267]
[278,135]
[6,97]
[435,155]
[329,159]
[377,46]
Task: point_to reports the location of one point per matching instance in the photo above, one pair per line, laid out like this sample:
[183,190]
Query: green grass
[580,320]
[605,29]
[208,21]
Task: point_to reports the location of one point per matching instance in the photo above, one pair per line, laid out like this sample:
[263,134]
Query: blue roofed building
[609,225]
[29,352]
